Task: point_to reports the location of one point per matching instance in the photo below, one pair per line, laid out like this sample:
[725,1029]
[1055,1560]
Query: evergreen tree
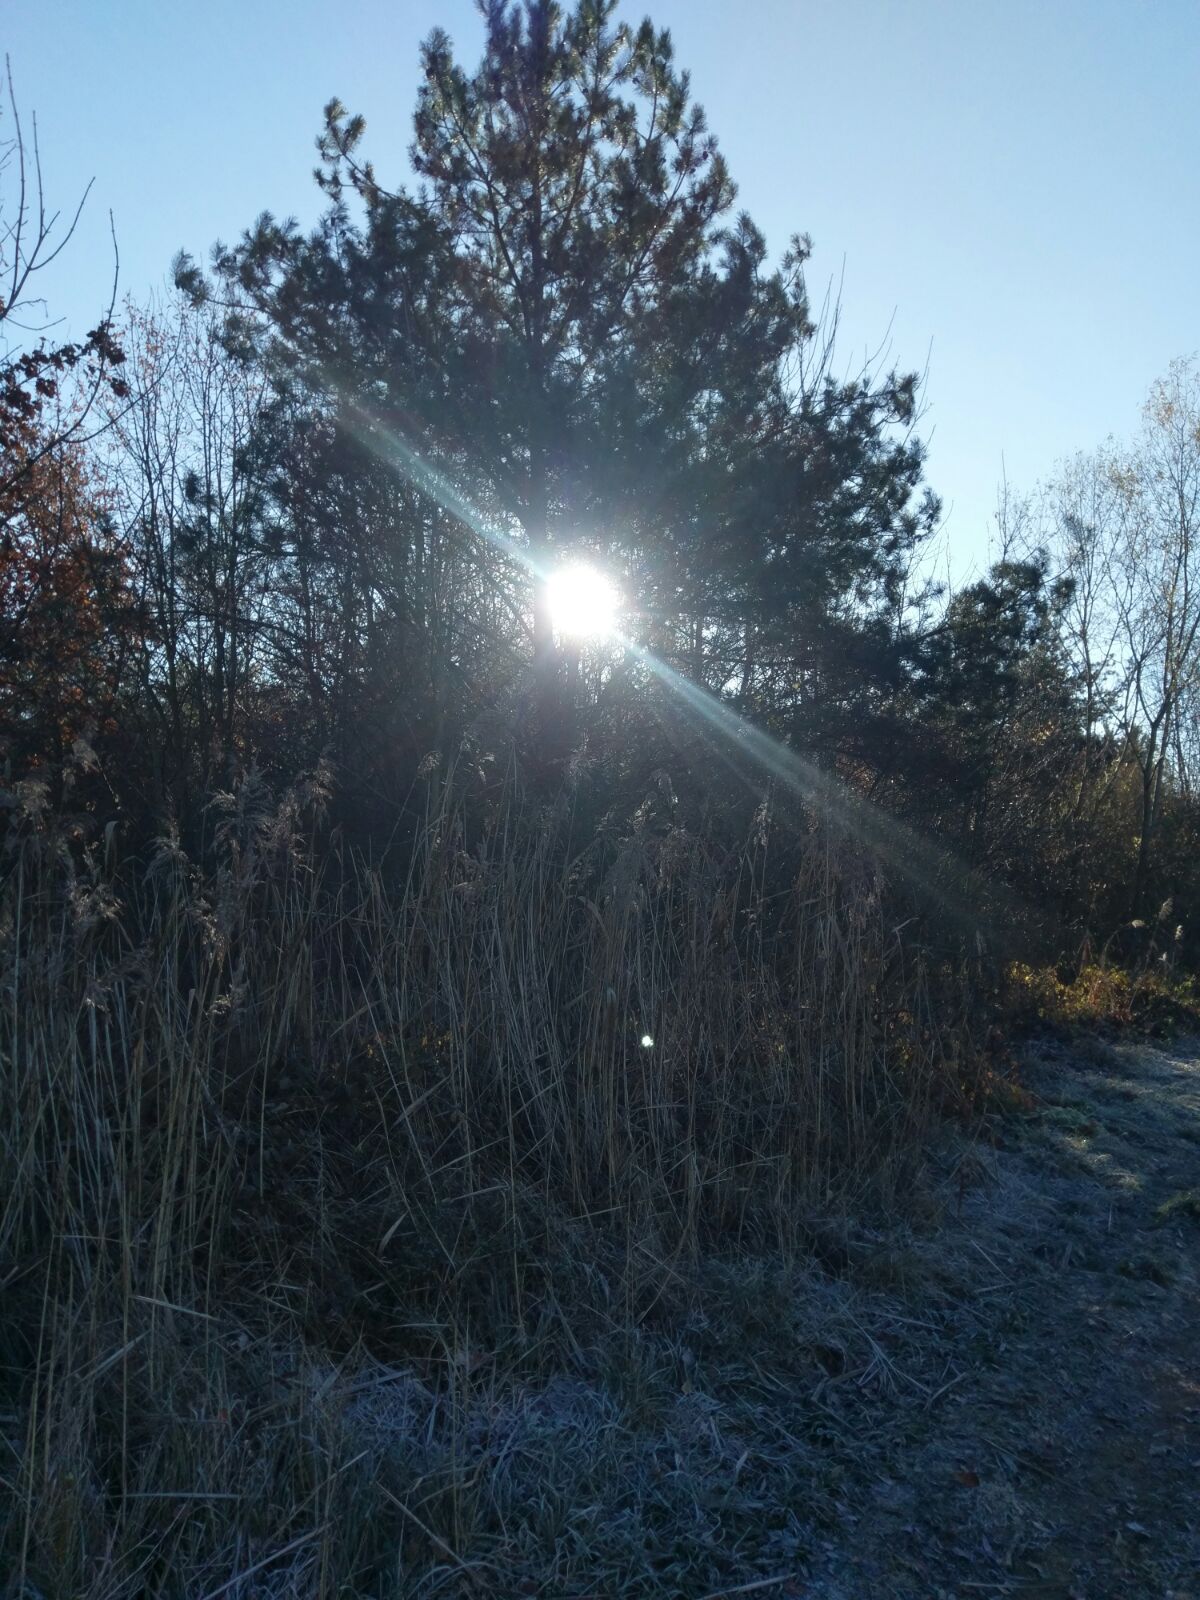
[566,324]
[1003,709]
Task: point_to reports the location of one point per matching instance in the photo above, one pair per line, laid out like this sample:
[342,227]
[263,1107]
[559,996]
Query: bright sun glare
[583,603]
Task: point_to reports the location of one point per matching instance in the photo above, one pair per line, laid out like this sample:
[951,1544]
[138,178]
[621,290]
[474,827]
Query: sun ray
[925,866]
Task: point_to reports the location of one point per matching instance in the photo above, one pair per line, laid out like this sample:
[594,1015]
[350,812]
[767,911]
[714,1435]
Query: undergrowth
[1096,995]
[330,1196]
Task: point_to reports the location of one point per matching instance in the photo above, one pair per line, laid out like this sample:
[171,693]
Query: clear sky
[1012,187]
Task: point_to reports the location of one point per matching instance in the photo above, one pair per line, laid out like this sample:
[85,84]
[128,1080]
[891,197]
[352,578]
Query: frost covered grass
[353,1242]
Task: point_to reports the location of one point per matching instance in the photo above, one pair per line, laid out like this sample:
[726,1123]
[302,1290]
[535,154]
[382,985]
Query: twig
[428,1532]
[938,1393]
[991,1261]
[179,1494]
[266,1561]
[169,1305]
[749,1588]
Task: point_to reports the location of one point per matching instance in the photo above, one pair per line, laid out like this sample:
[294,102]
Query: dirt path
[1060,1455]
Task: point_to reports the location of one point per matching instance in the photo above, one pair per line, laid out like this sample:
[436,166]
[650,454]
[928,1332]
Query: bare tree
[1157,587]
[189,502]
[1083,509]
[32,369]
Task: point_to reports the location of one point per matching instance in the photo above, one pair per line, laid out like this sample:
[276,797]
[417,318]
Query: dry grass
[279,1139]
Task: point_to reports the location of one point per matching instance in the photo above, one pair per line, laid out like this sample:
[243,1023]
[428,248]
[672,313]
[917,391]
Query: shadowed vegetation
[269,1119]
[546,1149]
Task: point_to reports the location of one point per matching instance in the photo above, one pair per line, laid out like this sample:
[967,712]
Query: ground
[994,1390]
[997,1395]
[1057,1450]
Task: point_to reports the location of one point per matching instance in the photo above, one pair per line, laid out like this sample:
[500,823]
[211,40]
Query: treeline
[296,515]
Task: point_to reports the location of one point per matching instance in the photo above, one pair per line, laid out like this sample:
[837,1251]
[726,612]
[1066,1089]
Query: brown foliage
[68,617]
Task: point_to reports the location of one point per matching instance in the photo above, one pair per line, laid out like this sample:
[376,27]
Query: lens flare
[584,604]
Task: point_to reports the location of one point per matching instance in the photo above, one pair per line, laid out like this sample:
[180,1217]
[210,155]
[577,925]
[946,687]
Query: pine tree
[567,322]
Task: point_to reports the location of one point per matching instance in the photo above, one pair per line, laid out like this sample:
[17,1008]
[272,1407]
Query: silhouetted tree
[69,622]
[562,340]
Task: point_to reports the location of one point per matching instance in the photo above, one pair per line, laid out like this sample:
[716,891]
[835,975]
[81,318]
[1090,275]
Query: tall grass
[280,1124]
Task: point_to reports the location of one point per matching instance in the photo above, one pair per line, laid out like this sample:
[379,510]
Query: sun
[583,602]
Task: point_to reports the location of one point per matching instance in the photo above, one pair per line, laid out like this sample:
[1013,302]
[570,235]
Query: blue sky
[1012,188]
